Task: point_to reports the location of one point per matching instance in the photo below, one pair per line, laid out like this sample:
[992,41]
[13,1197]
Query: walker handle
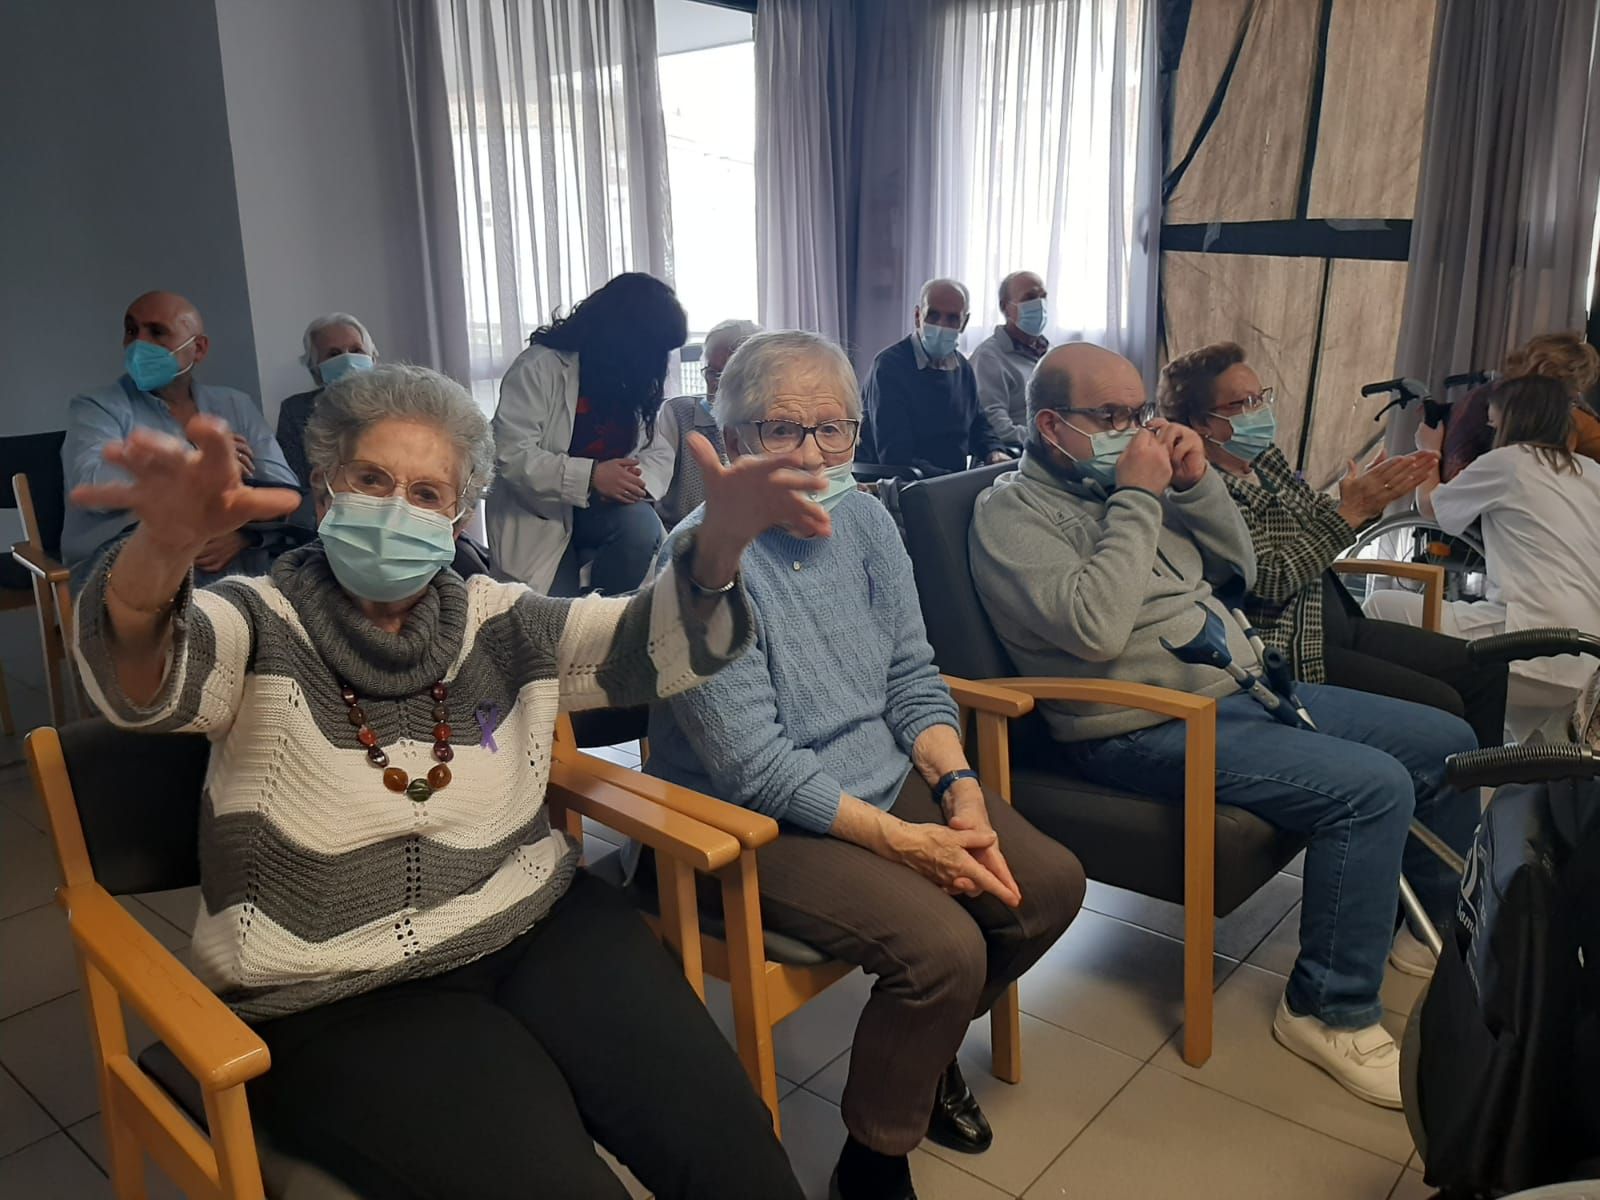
[1531,643]
[1535,762]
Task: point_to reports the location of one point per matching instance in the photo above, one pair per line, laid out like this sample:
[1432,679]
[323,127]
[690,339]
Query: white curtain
[987,136]
[560,159]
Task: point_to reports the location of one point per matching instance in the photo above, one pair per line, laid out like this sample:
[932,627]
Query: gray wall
[327,191]
[115,177]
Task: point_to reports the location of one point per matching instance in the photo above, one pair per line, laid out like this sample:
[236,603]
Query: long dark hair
[623,334]
[1535,410]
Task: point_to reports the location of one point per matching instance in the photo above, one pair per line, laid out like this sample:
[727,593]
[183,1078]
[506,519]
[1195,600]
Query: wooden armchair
[124,815]
[769,975]
[1430,575]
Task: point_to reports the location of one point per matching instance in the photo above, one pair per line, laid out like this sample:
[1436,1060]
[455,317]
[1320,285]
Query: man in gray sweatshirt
[1113,534]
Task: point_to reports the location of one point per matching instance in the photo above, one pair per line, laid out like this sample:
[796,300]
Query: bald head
[1083,375]
[169,320]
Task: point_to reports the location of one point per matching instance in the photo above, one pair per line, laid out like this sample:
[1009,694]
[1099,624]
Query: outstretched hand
[744,500]
[185,495]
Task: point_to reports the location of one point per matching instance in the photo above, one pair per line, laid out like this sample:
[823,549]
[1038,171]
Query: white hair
[729,334]
[749,381]
[308,349]
[942,281]
[347,409]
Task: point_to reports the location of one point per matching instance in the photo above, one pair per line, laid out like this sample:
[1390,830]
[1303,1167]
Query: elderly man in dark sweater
[921,399]
[1110,537]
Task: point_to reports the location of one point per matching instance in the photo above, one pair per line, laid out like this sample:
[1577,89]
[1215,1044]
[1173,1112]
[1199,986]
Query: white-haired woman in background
[683,415]
[836,723]
[452,1007]
[333,346]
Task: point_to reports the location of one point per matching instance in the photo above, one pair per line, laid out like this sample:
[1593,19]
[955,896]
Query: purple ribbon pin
[488,718]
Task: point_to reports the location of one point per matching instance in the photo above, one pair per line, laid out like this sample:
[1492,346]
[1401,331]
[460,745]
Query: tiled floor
[1106,1109]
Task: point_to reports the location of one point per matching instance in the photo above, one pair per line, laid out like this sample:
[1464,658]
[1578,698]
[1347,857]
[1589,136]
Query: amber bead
[366,737]
[443,751]
[441,713]
[440,692]
[395,779]
[418,790]
[347,694]
[357,717]
[378,757]
[439,777]
[441,732]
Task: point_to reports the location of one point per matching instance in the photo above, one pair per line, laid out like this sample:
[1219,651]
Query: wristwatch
[949,779]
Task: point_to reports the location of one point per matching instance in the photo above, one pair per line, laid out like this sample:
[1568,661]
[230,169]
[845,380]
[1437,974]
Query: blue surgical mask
[1031,316]
[331,370]
[841,482]
[939,341]
[1106,448]
[1253,433]
[384,548]
[151,366]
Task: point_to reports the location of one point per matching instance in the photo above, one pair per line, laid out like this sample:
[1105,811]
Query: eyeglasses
[1120,420]
[372,480]
[785,437]
[712,375]
[1250,403]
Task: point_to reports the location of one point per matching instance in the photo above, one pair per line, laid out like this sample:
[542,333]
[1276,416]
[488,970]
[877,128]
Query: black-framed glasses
[1253,402]
[785,437]
[369,479]
[1119,420]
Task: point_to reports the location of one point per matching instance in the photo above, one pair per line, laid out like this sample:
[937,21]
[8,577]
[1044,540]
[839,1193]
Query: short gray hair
[747,390]
[731,334]
[1005,288]
[347,409]
[1049,387]
[944,281]
[308,349]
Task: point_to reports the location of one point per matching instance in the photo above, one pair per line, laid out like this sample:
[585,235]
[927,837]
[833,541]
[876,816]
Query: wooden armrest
[216,1047]
[574,786]
[39,563]
[1143,696]
[1429,575]
[750,829]
[989,697]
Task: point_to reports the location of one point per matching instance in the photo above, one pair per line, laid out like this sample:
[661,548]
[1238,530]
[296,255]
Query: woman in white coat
[578,452]
[1538,504]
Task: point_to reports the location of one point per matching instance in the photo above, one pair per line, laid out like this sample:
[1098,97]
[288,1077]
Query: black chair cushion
[610,726]
[138,798]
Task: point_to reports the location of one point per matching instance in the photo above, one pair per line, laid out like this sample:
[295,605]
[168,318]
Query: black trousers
[494,1080]
[1407,663]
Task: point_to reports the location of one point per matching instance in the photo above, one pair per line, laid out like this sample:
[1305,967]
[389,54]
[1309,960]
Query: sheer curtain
[986,136]
[560,160]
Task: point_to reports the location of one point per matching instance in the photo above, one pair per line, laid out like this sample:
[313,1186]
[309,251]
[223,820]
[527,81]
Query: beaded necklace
[394,778]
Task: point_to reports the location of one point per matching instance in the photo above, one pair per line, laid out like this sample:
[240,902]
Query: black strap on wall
[1213,107]
[1311,378]
[1383,241]
[1308,160]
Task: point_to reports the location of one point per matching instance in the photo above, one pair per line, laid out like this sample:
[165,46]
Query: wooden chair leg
[8,724]
[1199,883]
[106,1026]
[680,919]
[747,960]
[1005,1037]
[233,1138]
[50,645]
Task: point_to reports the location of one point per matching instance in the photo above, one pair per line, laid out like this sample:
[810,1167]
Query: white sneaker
[1410,954]
[1365,1062]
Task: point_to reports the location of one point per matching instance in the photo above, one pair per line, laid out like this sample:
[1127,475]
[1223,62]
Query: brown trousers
[939,960]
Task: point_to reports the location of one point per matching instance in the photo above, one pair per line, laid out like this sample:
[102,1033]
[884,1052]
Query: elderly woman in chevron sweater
[453,1009]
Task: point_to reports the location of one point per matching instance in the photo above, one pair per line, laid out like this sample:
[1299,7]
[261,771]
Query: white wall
[327,197]
[115,178]
[690,25]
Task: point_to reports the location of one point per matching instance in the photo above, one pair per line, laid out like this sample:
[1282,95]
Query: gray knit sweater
[1081,582]
[317,882]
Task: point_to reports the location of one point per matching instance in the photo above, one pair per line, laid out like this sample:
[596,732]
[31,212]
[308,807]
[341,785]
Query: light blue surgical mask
[1106,448]
[841,482]
[151,366]
[1253,433]
[384,548]
[1031,316]
[939,341]
[331,370]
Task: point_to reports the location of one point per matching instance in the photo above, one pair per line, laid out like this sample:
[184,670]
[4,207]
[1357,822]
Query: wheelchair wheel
[1410,1067]
[1409,537]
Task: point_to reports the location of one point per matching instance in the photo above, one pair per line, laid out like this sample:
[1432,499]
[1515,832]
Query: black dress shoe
[899,1193]
[957,1122]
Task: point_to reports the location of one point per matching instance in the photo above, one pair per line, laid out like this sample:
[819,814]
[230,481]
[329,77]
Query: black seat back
[38,456]
[138,797]
[937,515]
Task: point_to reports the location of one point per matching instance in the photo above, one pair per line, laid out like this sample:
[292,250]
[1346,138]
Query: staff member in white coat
[1538,504]
[577,450]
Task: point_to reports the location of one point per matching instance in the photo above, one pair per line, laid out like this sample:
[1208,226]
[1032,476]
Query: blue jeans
[1352,788]
[618,541]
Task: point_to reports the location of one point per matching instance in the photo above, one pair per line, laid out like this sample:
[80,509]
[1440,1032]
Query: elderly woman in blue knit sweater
[836,723]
